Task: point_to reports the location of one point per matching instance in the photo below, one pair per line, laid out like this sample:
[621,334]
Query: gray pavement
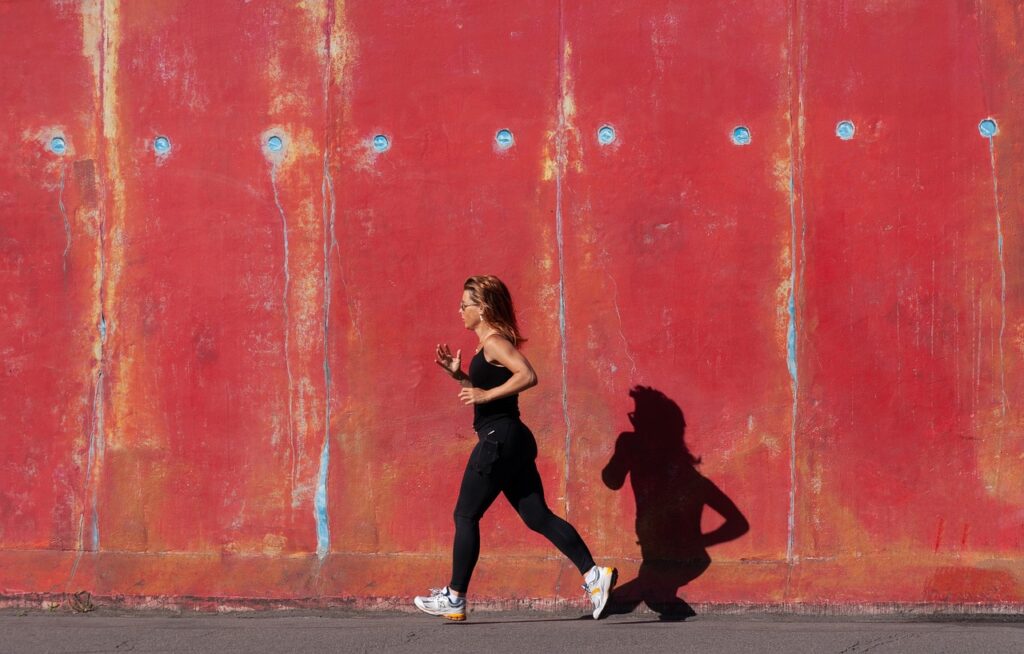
[107,630]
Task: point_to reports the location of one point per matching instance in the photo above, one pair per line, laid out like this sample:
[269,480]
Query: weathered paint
[231,234]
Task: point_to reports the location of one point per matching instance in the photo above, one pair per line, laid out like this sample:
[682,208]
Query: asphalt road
[541,633]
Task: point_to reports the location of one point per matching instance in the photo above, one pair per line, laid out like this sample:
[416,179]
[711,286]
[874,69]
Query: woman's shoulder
[499,351]
[497,341]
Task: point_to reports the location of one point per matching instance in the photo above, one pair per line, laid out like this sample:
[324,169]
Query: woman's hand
[443,357]
[472,395]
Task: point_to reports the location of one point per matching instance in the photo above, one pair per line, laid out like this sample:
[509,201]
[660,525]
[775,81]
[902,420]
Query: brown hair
[495,305]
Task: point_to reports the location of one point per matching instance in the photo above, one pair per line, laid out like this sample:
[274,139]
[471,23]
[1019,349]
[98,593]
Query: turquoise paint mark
[741,135]
[95,529]
[323,533]
[791,339]
[58,145]
[381,143]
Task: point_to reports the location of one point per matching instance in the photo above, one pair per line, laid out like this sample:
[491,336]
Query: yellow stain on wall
[344,48]
[556,155]
[1000,453]
[115,216]
[269,545]
[821,510]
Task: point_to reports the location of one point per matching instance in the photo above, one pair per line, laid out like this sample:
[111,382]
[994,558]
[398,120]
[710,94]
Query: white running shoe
[598,586]
[442,604]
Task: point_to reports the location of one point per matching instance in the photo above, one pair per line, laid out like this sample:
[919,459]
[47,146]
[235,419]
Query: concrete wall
[217,373]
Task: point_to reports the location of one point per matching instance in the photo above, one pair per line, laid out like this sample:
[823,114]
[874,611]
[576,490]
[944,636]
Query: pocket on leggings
[487,452]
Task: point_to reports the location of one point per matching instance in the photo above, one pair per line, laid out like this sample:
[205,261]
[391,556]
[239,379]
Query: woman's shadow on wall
[670,498]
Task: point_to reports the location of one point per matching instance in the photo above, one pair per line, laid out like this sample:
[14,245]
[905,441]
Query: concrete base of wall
[187,581]
[68,603]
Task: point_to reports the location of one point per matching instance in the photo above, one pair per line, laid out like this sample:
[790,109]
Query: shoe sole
[607,594]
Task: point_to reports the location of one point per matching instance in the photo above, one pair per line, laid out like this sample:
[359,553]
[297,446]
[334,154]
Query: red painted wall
[217,371]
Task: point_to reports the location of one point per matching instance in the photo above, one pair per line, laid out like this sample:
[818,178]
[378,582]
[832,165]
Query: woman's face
[469,310]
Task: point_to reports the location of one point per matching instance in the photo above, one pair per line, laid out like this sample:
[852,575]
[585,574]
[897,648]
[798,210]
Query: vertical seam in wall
[797,52]
[104,145]
[560,157]
[64,268]
[323,534]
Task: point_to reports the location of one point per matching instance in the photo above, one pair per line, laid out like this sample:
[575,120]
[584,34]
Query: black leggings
[503,461]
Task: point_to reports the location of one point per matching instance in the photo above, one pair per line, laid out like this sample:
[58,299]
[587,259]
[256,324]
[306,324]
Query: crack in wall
[64,215]
[96,451]
[78,555]
[287,329]
[622,335]
[1002,275]
[978,322]
[1002,311]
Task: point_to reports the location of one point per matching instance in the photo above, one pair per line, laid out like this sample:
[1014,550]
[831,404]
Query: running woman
[504,458]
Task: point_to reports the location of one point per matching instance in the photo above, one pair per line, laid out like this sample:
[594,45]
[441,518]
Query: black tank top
[487,376]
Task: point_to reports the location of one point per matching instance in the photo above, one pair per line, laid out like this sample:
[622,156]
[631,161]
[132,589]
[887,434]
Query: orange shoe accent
[455,617]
